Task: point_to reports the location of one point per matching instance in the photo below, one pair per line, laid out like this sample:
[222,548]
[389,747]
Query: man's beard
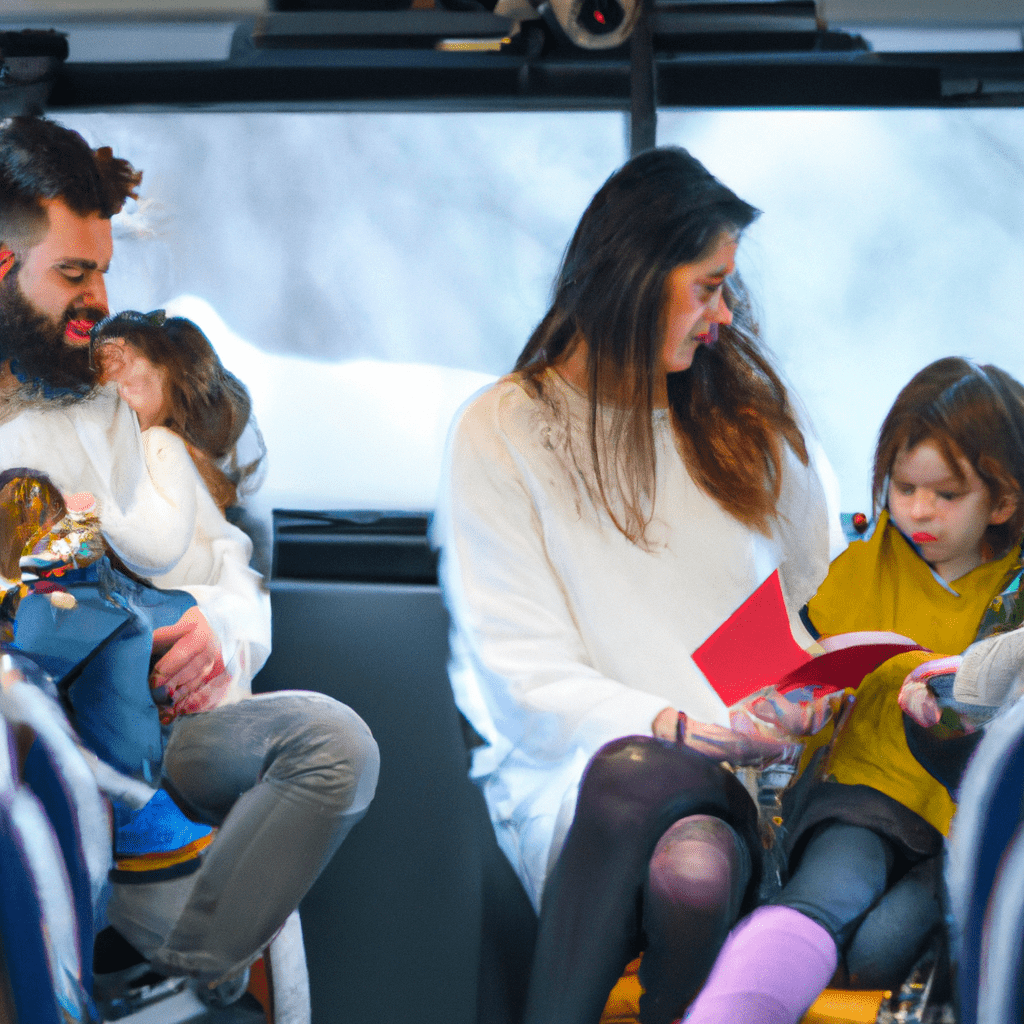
[45,364]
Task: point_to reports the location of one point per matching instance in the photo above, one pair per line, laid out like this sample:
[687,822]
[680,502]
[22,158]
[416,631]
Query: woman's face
[140,382]
[693,304]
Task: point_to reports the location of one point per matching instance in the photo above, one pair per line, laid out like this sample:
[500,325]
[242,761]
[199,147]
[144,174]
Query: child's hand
[919,703]
[141,383]
[917,699]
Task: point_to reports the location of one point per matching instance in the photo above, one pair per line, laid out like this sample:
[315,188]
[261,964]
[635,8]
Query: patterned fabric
[1005,612]
[73,543]
[39,535]
[33,504]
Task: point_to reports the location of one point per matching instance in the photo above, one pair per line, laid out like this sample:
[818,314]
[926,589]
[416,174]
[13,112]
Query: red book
[754,648]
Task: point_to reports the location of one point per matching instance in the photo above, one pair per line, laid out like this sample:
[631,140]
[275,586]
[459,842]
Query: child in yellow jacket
[866,822]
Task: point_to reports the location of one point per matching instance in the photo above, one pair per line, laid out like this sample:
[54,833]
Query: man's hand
[190,676]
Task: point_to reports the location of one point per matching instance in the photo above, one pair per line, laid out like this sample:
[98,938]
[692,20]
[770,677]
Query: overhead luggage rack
[787,53]
[369,29]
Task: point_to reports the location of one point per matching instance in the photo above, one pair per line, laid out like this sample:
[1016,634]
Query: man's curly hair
[42,160]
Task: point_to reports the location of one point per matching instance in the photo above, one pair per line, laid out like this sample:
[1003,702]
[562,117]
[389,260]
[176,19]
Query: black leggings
[857,886]
[600,908]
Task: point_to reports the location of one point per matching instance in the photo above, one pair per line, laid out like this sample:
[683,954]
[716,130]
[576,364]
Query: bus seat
[283,989]
[623,1006]
[984,843]
[1001,987]
[55,771]
[39,937]
[55,777]
[838,1006]
[419,915]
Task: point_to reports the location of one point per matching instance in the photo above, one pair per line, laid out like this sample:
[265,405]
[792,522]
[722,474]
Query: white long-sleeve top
[992,670]
[155,512]
[565,634]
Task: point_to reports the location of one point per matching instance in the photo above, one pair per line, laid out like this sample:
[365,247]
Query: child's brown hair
[970,412]
[209,406]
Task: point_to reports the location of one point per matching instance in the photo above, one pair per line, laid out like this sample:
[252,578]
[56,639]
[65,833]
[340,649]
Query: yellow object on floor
[836,1006]
[624,1001]
[833,1006]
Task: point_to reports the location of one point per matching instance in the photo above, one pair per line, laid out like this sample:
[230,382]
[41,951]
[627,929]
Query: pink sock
[773,965]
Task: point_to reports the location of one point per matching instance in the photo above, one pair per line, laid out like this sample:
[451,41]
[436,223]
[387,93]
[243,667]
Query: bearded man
[284,776]
[56,201]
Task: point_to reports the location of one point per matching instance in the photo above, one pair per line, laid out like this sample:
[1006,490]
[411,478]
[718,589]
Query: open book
[754,649]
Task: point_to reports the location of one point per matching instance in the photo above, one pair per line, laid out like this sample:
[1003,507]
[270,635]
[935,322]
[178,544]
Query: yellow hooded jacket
[882,583]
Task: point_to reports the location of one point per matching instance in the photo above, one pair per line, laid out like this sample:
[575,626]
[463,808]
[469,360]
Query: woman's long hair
[970,412]
[731,412]
[209,406]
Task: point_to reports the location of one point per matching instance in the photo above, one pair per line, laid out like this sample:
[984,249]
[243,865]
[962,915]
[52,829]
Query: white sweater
[155,512]
[992,671]
[565,635]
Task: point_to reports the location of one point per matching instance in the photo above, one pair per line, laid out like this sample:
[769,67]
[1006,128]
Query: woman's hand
[784,716]
[721,744]
[738,748]
[666,725]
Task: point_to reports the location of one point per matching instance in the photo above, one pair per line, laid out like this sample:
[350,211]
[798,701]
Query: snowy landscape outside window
[364,273]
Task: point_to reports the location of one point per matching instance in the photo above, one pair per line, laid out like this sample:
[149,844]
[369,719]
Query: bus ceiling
[632,55]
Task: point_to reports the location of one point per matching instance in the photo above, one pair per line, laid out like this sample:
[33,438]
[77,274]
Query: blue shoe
[156,842]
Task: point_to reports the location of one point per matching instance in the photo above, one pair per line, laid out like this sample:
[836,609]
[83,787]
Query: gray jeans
[284,776]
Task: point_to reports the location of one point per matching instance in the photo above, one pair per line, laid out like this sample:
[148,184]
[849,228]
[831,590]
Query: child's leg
[776,962]
[898,929]
[771,968]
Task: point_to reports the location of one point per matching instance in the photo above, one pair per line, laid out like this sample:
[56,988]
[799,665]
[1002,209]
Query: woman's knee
[700,862]
[638,779]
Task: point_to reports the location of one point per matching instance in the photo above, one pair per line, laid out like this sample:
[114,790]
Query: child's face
[141,383]
[946,517]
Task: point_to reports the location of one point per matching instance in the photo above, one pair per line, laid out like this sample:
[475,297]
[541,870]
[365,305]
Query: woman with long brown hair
[607,506]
